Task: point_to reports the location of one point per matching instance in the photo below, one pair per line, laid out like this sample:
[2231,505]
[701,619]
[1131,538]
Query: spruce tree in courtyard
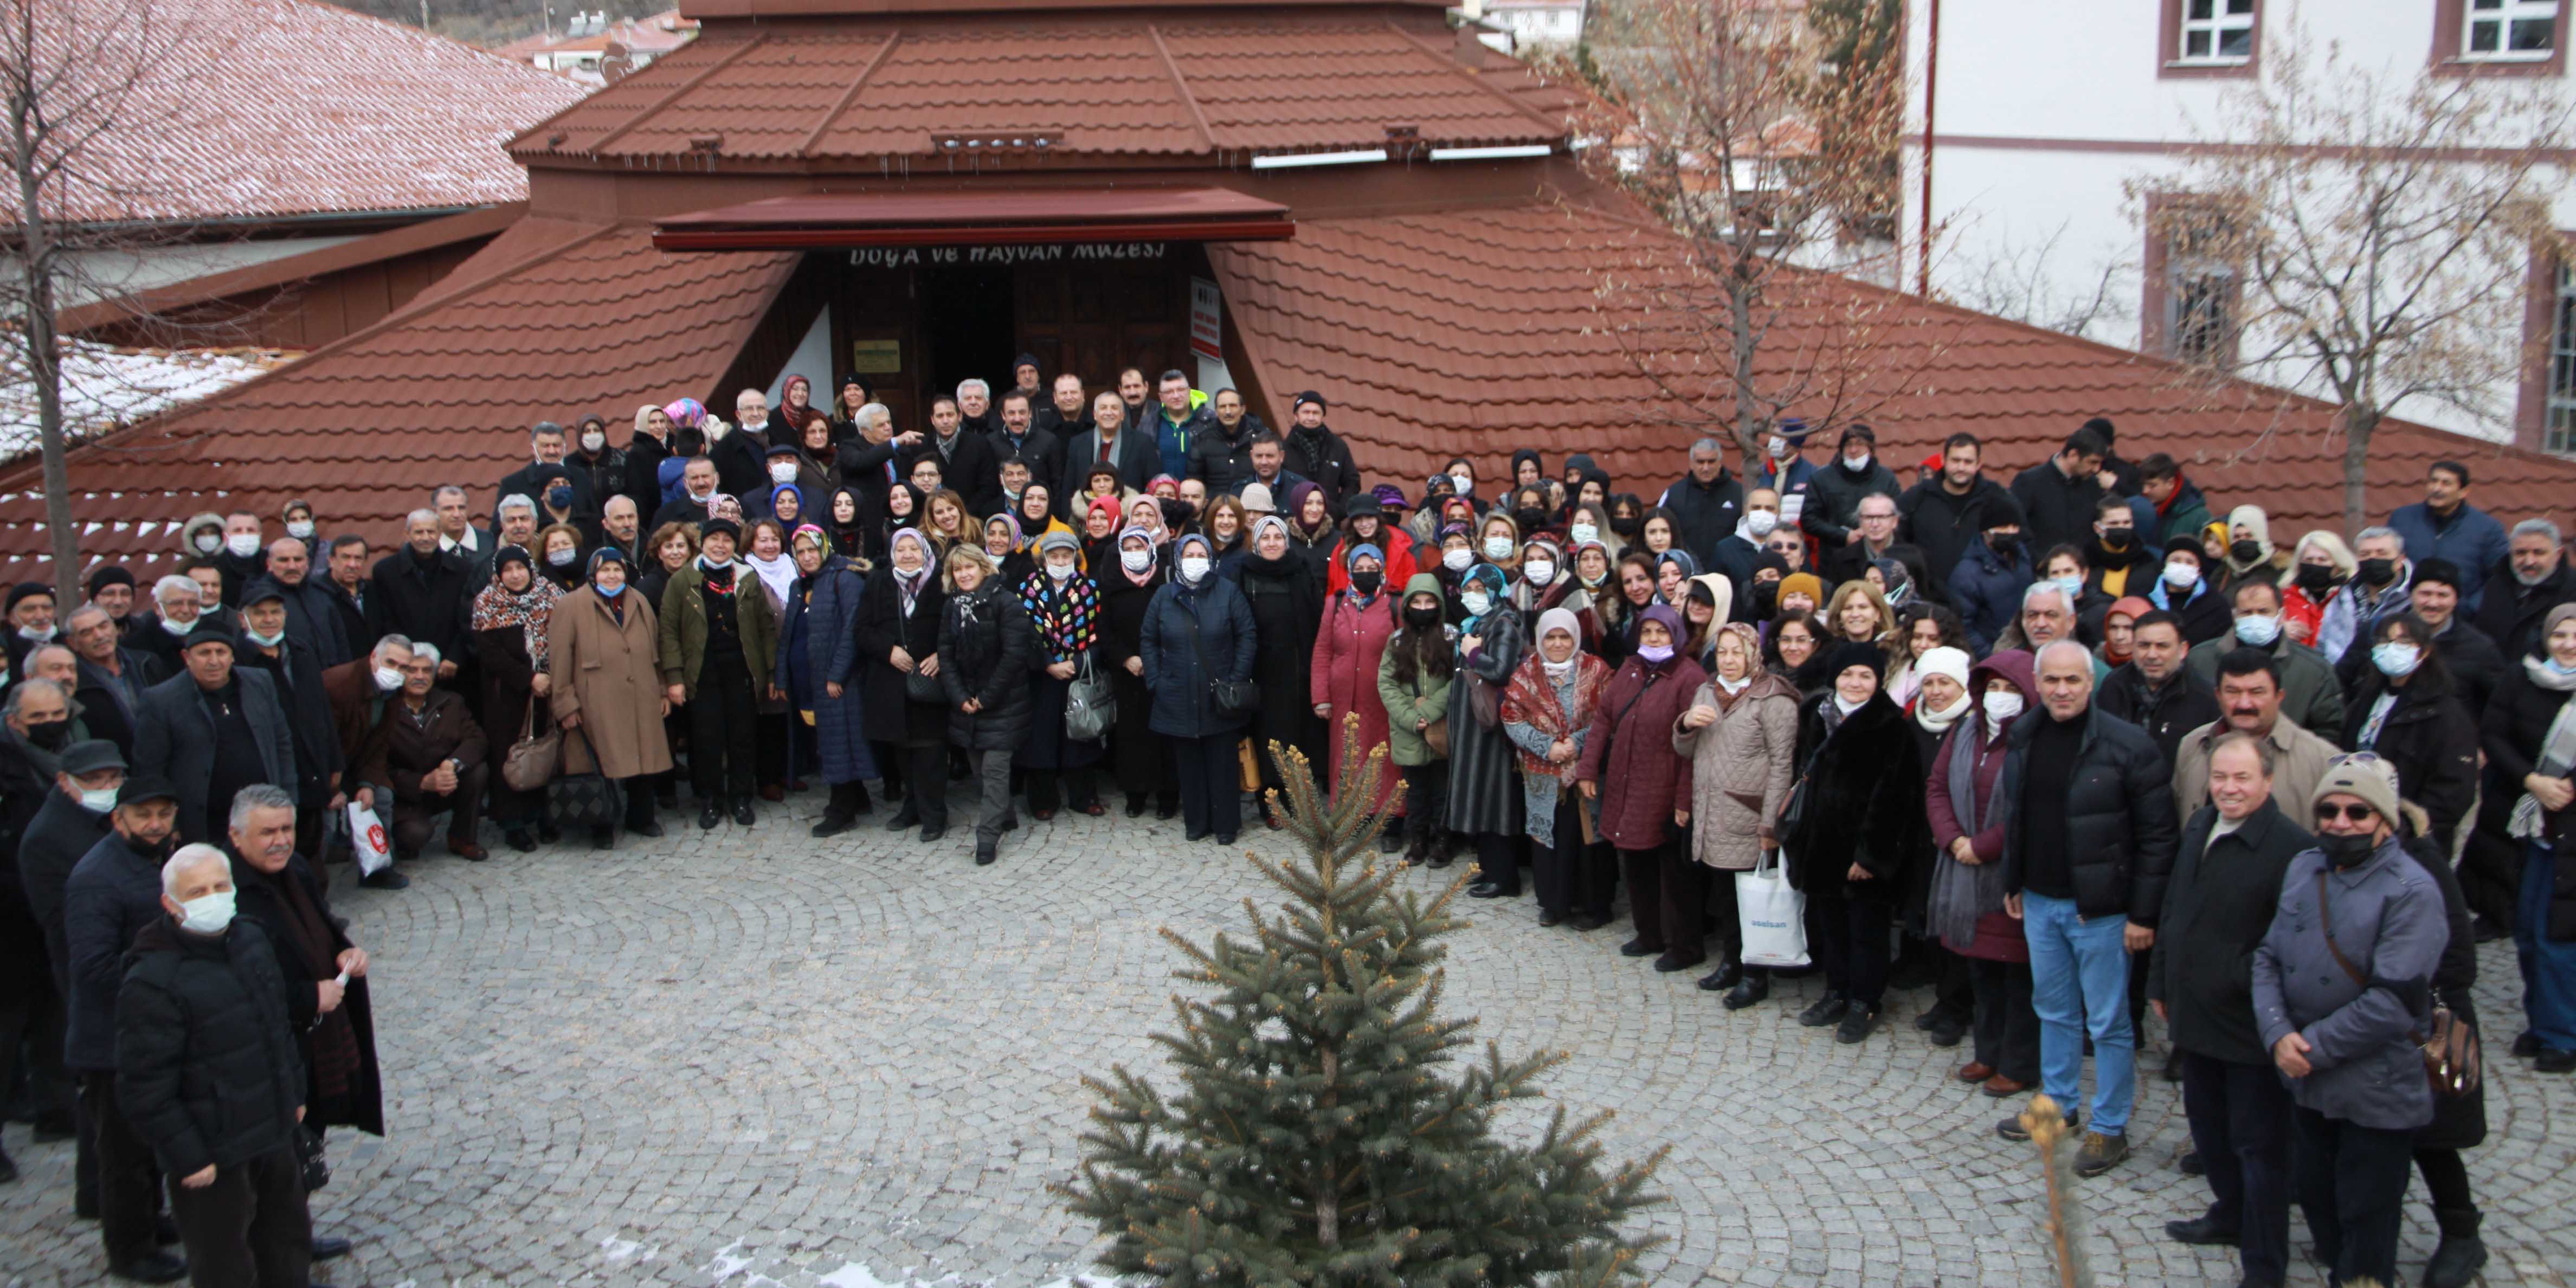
[1322,1133]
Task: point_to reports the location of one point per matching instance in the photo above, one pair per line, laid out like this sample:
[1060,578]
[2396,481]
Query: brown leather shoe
[2000,1086]
[468,851]
[773,793]
[1974,1072]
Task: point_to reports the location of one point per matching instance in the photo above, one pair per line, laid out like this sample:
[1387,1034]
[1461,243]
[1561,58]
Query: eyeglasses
[2351,813]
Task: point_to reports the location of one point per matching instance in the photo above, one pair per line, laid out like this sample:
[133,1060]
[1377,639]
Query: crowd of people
[2054,752]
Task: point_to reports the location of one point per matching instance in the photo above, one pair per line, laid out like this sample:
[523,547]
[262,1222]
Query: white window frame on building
[2502,21]
[2558,414]
[2213,24]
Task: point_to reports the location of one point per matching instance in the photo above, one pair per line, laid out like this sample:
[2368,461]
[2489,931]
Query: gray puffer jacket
[2386,916]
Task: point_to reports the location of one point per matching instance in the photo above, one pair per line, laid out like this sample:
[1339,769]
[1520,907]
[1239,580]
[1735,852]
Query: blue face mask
[611,592]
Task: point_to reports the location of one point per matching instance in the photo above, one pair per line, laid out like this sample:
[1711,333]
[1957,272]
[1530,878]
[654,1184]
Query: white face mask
[178,627]
[1539,572]
[1856,463]
[593,441]
[244,544]
[1136,560]
[1761,523]
[98,800]
[1498,549]
[1476,603]
[1060,571]
[1778,447]
[301,529]
[388,679]
[1465,484]
[209,542]
[2258,630]
[1583,532]
[2395,657]
[35,634]
[562,558]
[783,472]
[1194,568]
[207,914]
[2001,705]
[1458,560]
[2181,576]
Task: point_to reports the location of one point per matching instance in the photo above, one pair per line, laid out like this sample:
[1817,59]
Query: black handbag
[924,688]
[1230,696]
[309,1158]
[584,800]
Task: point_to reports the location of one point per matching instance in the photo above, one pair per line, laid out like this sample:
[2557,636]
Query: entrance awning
[835,221]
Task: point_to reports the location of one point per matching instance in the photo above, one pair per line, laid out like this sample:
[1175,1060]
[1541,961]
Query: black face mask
[2377,572]
[2116,539]
[2004,544]
[1366,583]
[1420,618]
[2346,851]
[1766,598]
[1627,526]
[2245,552]
[1530,518]
[2315,578]
[49,736]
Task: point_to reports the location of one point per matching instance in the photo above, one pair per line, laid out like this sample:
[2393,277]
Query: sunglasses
[2351,813]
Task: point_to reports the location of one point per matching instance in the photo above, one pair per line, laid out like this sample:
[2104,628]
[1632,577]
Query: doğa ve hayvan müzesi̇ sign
[1051,253]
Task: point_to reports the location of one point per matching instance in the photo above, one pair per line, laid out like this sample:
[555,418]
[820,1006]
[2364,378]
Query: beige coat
[1740,770]
[2298,765]
[610,675]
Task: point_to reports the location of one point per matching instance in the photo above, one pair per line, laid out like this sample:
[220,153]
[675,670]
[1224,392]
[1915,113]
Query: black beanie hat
[1853,653]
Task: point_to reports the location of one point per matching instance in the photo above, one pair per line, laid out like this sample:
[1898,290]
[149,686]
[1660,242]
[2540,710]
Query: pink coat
[1344,674]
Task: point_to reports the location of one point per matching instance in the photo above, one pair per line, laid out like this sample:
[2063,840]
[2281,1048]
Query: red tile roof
[276,108]
[1191,83]
[1475,333]
[551,321]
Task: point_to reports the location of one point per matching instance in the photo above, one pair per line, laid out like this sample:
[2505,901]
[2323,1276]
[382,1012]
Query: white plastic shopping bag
[1774,915]
[367,841]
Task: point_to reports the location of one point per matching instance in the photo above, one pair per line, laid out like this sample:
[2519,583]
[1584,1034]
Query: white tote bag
[367,841]
[1774,916]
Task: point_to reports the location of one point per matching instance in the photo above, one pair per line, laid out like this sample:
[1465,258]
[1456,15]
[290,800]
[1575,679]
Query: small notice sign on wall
[876,357]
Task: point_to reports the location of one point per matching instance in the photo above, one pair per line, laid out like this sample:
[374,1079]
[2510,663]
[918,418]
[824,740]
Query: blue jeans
[2080,969]
[2548,968]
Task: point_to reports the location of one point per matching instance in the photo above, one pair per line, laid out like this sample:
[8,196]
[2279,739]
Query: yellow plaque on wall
[876,357]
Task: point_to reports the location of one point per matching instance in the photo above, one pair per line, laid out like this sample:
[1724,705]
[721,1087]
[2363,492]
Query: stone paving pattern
[753,1058]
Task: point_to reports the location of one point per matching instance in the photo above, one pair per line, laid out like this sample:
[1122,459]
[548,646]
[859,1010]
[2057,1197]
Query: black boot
[842,813]
[2461,1255]
[1754,987]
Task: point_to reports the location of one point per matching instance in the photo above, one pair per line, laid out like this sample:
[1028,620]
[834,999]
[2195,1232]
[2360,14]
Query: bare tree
[2021,281]
[2379,229]
[94,91]
[1710,122]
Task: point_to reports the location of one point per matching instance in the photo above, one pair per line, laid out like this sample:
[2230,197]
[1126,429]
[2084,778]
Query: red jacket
[1632,731]
[1399,562]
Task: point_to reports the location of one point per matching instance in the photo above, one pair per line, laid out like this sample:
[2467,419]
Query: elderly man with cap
[112,894]
[1319,455]
[109,677]
[312,613]
[34,962]
[208,1074]
[111,587]
[31,622]
[267,644]
[212,730]
[2342,988]
[428,749]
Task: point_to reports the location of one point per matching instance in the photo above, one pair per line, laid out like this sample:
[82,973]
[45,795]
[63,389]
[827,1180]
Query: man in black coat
[297,674]
[112,677]
[112,894]
[243,557]
[1706,503]
[1222,457]
[2087,848]
[2475,664]
[2058,495]
[699,484]
[212,731]
[424,593]
[592,460]
[33,960]
[1939,516]
[2219,903]
[1319,455]
[1831,513]
[311,615]
[2536,578]
[1112,440]
[867,461]
[207,1071]
[1737,552]
[740,450]
[1019,436]
[546,445]
[967,465]
[2154,690]
[352,596]
[1068,412]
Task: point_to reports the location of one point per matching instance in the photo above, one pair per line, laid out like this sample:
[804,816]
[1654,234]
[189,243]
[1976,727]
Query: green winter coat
[684,626]
[1426,698]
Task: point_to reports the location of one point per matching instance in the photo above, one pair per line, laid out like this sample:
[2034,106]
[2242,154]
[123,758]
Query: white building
[2029,125]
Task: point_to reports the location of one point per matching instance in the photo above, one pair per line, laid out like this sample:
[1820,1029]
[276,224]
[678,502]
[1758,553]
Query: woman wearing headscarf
[1064,607]
[604,657]
[1940,701]
[846,523]
[1287,601]
[902,510]
[1859,832]
[984,663]
[1965,906]
[1706,604]
[1641,786]
[897,629]
[779,760]
[1100,524]
[1547,712]
[1310,525]
[718,650]
[1674,569]
[1413,684]
[818,667]
[1740,733]
[1147,513]
[1128,575]
[1011,559]
[1484,801]
[1197,631]
[1036,513]
[1343,683]
[510,625]
[2250,552]
[1544,580]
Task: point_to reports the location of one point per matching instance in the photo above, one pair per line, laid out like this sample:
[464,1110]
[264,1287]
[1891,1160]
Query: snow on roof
[106,388]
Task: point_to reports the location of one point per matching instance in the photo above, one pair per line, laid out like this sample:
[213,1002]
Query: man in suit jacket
[1019,436]
[112,677]
[211,731]
[424,592]
[267,646]
[1131,451]
[966,460]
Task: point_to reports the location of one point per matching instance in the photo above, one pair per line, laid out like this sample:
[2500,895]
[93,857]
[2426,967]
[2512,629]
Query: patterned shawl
[529,610]
[1531,699]
[1066,613]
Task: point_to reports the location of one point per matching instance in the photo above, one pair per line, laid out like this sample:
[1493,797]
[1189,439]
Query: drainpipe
[1931,83]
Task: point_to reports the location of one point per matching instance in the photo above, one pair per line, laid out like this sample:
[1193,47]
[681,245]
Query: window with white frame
[2558,432]
[2509,30]
[2219,32]
[2201,289]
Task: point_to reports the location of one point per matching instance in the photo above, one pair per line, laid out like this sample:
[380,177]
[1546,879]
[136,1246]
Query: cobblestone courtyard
[752,1058]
